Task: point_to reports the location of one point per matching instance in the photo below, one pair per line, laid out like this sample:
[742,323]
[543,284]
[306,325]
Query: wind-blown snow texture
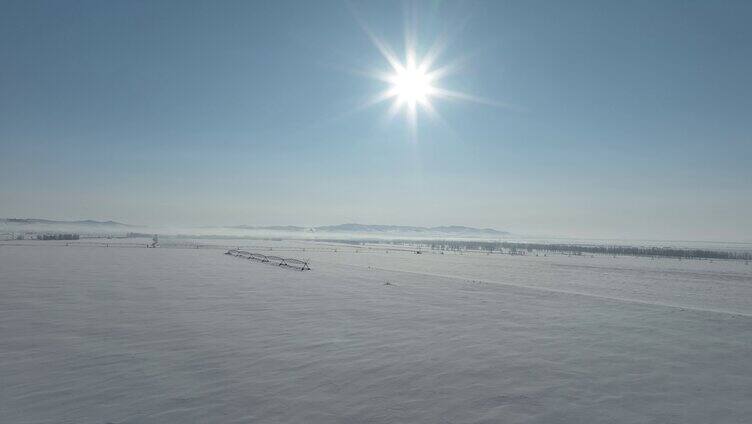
[126,335]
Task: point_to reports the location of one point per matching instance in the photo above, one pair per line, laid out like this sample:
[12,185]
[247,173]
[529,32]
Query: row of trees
[58,237]
[569,249]
[667,252]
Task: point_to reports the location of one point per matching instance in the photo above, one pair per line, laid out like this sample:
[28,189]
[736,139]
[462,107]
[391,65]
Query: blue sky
[626,119]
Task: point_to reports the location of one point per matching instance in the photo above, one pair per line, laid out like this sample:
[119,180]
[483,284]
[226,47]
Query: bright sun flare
[411,85]
[414,83]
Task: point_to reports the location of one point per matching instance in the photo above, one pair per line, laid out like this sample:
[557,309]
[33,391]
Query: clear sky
[604,119]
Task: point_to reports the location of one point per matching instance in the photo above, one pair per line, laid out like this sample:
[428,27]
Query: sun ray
[380,45]
[457,95]
[413,83]
[394,109]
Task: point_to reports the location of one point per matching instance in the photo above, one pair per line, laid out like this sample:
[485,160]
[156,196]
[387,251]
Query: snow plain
[173,335]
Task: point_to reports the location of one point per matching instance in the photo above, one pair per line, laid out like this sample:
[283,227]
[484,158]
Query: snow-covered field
[91,334]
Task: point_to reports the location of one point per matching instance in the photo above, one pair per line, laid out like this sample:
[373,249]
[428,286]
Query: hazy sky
[625,119]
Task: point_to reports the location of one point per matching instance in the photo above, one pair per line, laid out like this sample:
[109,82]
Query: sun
[411,85]
[415,79]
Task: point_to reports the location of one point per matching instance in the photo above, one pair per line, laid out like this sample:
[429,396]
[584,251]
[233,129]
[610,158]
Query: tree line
[560,248]
[576,249]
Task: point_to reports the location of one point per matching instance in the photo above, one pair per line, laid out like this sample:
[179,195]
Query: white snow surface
[90,334]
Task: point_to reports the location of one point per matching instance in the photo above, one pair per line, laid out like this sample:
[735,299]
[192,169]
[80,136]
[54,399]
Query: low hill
[453,230]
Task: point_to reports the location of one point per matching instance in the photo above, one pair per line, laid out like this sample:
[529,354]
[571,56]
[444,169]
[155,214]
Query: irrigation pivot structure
[274,260]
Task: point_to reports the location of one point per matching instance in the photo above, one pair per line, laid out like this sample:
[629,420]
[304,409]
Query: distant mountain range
[292,228]
[31,224]
[382,229]
[86,222]
[451,229]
